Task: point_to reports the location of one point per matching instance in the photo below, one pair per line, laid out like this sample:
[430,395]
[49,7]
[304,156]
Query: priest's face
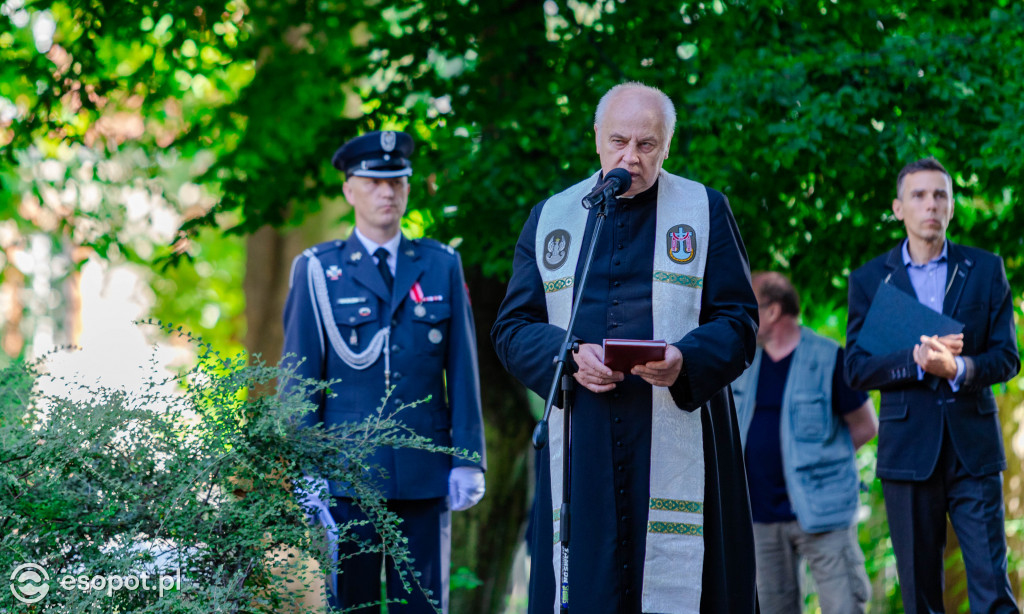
[632,135]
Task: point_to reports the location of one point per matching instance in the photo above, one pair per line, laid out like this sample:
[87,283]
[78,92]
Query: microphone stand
[564,381]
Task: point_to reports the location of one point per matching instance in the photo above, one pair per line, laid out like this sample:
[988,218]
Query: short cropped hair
[924,164]
[772,287]
[668,110]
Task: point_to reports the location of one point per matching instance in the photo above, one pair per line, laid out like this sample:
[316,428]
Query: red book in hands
[623,354]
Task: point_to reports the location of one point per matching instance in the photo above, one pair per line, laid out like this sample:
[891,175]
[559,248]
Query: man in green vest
[800,423]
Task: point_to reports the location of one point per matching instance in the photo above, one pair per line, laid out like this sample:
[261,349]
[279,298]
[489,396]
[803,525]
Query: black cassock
[611,437]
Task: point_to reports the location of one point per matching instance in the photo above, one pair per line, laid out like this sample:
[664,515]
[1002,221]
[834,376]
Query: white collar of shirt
[391,245]
[907,261]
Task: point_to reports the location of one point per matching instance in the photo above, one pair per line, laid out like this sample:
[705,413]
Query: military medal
[416,294]
[334,273]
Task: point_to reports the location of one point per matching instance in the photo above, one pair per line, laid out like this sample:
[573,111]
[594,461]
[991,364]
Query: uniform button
[622,491]
[399,402]
[394,321]
[621,468]
[617,420]
[396,376]
[622,225]
[616,395]
[620,246]
[615,302]
[629,591]
[625,566]
[617,284]
[618,444]
[615,324]
[395,348]
[622,518]
[616,262]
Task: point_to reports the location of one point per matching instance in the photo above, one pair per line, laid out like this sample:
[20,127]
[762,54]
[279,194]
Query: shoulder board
[323,248]
[425,242]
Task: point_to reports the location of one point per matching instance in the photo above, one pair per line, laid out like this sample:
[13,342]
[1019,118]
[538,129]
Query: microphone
[615,182]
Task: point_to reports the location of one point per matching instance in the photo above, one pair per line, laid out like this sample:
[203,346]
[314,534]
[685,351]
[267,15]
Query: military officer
[380,310]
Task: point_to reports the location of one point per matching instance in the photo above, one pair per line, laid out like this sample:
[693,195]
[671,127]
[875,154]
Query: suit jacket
[913,412]
[432,353]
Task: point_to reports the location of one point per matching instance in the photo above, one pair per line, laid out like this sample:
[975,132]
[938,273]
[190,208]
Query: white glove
[465,487]
[310,494]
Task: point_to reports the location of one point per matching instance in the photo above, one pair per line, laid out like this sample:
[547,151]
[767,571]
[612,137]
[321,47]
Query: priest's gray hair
[668,110]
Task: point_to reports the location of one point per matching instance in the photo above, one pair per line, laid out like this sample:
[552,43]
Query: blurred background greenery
[189,143]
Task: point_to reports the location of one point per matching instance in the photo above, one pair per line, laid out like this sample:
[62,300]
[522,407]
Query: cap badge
[682,243]
[556,249]
[388,140]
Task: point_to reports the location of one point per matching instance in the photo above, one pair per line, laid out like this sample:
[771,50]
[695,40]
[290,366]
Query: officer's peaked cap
[375,154]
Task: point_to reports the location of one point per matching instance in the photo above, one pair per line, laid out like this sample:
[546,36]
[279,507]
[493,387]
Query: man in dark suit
[380,310]
[940,450]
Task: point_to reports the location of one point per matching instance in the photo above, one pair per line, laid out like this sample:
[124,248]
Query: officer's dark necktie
[382,266]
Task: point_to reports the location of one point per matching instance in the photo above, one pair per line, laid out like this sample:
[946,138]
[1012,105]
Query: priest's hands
[663,372]
[593,375]
[591,372]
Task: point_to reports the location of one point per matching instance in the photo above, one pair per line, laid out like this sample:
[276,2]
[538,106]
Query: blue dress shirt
[929,281]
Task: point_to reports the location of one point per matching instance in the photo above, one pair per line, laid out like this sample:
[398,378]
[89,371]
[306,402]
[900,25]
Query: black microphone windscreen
[624,178]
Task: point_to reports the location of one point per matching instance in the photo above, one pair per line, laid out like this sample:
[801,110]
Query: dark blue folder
[896,320]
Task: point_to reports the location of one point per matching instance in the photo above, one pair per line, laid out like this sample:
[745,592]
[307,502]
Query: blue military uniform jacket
[431,352]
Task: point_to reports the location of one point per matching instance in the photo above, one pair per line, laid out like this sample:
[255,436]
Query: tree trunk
[268,257]
[268,263]
[485,538]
